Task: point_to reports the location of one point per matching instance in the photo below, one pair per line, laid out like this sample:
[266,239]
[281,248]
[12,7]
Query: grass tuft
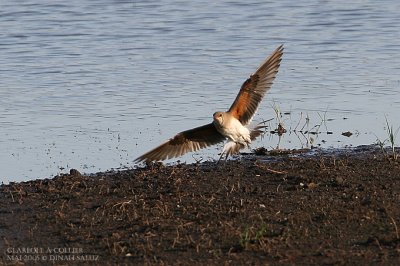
[392,137]
[253,236]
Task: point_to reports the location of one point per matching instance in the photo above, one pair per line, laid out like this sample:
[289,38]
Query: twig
[395,227]
[271,170]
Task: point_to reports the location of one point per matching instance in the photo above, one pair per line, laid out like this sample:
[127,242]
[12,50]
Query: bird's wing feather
[184,142]
[255,87]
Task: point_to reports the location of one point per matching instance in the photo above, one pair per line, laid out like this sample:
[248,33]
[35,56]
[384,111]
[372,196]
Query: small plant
[307,123]
[278,113]
[280,129]
[261,232]
[381,145]
[245,238]
[392,137]
[250,237]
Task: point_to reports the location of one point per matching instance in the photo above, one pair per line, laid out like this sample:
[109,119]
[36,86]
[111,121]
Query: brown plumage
[184,142]
[255,87]
[229,124]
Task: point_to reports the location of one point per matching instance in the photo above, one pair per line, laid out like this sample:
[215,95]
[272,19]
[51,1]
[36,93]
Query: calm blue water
[92,85]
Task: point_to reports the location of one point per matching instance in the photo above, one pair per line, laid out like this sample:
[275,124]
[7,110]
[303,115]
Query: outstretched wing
[184,142]
[255,87]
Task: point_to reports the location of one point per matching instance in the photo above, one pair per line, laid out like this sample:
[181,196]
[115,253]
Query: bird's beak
[218,119]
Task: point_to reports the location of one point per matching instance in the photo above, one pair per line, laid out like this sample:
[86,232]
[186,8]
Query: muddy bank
[320,208]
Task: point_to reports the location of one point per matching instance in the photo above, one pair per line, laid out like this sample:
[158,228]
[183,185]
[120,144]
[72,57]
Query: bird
[230,125]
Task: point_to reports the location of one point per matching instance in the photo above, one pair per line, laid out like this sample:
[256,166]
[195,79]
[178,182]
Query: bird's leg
[226,156]
[220,157]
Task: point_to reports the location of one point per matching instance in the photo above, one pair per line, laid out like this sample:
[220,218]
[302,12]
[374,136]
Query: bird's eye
[220,115]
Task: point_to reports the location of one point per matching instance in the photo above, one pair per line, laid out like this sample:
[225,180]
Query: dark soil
[320,208]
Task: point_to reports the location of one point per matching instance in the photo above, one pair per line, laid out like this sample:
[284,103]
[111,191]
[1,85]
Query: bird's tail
[257,130]
[232,148]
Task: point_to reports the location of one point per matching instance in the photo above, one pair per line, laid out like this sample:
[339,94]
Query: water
[92,85]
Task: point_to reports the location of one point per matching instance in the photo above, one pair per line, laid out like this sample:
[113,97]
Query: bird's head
[218,118]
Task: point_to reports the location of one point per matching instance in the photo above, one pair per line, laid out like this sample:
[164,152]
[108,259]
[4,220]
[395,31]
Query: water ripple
[82,81]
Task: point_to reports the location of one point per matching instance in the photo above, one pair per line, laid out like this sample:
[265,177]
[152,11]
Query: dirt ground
[319,208]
